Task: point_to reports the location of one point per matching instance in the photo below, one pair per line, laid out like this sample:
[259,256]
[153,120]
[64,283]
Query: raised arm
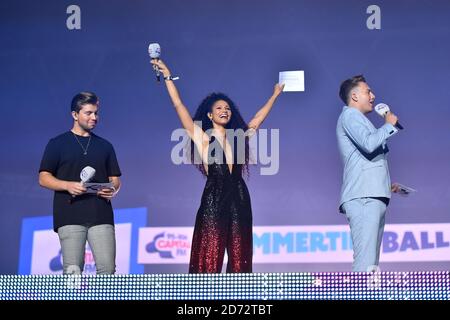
[261,115]
[355,126]
[194,131]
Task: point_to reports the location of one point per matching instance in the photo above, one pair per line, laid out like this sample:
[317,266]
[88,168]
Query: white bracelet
[171,78]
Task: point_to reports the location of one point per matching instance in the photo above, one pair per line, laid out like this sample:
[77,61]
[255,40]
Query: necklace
[85,150]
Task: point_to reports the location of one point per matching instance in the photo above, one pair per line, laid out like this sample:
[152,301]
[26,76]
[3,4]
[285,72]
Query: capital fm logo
[56,263]
[169,245]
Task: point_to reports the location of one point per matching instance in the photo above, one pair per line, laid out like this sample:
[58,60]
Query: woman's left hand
[278,89]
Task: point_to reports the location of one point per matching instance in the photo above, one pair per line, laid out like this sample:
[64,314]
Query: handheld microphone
[87,174]
[154,50]
[382,109]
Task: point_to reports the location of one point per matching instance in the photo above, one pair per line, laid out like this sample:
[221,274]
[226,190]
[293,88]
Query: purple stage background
[237,47]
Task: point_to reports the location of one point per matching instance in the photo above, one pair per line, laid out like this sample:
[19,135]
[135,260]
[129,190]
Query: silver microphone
[87,174]
[382,109]
[154,50]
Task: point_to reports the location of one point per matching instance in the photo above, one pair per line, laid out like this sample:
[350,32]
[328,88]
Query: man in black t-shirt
[79,216]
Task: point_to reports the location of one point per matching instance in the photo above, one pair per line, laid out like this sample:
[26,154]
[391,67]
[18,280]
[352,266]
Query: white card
[404,190]
[93,187]
[292,80]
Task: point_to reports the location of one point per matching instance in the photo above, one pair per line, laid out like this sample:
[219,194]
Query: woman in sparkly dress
[224,219]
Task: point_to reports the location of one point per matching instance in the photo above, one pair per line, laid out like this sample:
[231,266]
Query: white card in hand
[92,187]
[292,80]
[404,190]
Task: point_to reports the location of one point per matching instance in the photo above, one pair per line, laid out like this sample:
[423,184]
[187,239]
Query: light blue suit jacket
[363,151]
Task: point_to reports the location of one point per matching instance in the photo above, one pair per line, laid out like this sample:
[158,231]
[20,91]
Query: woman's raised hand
[277,89]
[161,66]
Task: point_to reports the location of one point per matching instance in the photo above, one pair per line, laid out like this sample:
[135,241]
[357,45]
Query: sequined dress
[223,222]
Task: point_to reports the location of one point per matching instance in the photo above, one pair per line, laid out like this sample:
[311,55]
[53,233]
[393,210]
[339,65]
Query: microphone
[87,174]
[154,50]
[382,109]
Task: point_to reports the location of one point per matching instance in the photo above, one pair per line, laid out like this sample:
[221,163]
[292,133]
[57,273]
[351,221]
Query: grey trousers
[102,241]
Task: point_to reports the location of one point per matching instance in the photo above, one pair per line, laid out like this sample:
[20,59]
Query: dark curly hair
[236,122]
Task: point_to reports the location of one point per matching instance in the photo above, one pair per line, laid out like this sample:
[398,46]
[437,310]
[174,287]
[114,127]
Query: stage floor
[255,286]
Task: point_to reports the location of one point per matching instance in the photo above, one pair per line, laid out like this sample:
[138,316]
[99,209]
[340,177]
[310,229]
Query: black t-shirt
[64,158]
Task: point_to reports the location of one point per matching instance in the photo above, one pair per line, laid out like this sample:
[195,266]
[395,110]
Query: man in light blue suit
[366,187]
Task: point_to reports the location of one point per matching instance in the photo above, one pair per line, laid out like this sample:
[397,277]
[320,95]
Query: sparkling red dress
[224,221]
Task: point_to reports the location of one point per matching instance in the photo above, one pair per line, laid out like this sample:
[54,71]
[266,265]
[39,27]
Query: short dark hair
[81,99]
[348,85]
